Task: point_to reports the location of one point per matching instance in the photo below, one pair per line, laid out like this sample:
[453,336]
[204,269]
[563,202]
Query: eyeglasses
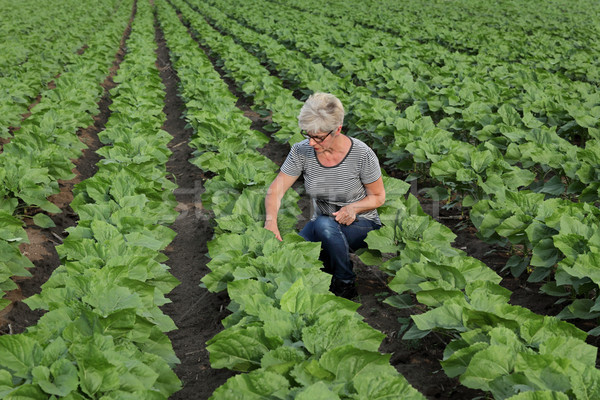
[317,139]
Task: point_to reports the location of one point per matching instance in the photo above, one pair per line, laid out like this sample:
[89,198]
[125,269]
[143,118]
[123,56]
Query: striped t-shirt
[331,188]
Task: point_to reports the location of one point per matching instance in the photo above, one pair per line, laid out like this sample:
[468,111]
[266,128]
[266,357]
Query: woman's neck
[335,153]
[339,144]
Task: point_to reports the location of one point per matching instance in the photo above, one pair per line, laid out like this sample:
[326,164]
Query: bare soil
[197,312]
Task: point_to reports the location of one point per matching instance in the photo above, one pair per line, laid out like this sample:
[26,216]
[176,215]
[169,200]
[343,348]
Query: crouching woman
[343,179]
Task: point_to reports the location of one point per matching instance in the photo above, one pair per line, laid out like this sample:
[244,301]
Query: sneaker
[343,289]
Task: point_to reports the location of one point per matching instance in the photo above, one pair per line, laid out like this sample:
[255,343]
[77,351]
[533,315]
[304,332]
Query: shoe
[343,289]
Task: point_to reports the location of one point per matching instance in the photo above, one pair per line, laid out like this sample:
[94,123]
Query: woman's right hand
[273,201]
[272,226]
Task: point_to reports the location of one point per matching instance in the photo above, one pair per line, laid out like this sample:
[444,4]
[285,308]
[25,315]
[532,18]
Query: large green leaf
[383,240]
[384,387]
[19,354]
[586,384]
[449,316]
[60,379]
[240,349]
[347,362]
[545,372]
[328,333]
[283,359]
[316,391]
[456,364]
[256,385]
[300,299]
[488,365]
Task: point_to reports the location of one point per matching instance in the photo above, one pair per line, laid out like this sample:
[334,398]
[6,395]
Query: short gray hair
[322,112]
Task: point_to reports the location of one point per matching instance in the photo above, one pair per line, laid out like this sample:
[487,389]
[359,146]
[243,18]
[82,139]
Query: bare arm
[374,199]
[275,193]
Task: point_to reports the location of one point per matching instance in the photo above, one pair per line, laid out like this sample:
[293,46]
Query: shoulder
[359,144]
[300,150]
[301,147]
[362,148]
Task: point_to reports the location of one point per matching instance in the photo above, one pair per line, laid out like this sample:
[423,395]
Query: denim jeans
[337,241]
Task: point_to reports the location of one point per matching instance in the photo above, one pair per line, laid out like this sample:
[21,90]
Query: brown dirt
[197,312]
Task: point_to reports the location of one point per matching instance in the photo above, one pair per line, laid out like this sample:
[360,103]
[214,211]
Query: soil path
[196,312]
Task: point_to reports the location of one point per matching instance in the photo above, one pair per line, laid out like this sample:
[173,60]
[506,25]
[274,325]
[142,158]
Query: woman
[343,179]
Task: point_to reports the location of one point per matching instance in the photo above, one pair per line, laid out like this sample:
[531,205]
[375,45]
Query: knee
[325,228]
[314,230]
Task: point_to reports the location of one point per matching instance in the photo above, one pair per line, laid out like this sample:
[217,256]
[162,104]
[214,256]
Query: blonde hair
[322,112]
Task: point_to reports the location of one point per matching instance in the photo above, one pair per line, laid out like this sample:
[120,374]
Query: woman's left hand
[345,215]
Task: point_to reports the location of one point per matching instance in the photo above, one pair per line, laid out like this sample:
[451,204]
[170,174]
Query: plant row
[293,337]
[41,152]
[43,42]
[103,335]
[474,172]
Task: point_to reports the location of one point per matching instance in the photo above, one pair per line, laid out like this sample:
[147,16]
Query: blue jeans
[337,241]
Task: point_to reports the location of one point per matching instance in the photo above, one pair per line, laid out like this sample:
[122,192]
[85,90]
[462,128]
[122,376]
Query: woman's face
[319,141]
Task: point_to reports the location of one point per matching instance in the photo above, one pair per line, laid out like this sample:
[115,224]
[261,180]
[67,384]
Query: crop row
[103,335]
[444,273]
[297,339]
[474,172]
[40,153]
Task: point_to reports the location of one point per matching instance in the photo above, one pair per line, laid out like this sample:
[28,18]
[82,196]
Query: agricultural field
[138,139]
